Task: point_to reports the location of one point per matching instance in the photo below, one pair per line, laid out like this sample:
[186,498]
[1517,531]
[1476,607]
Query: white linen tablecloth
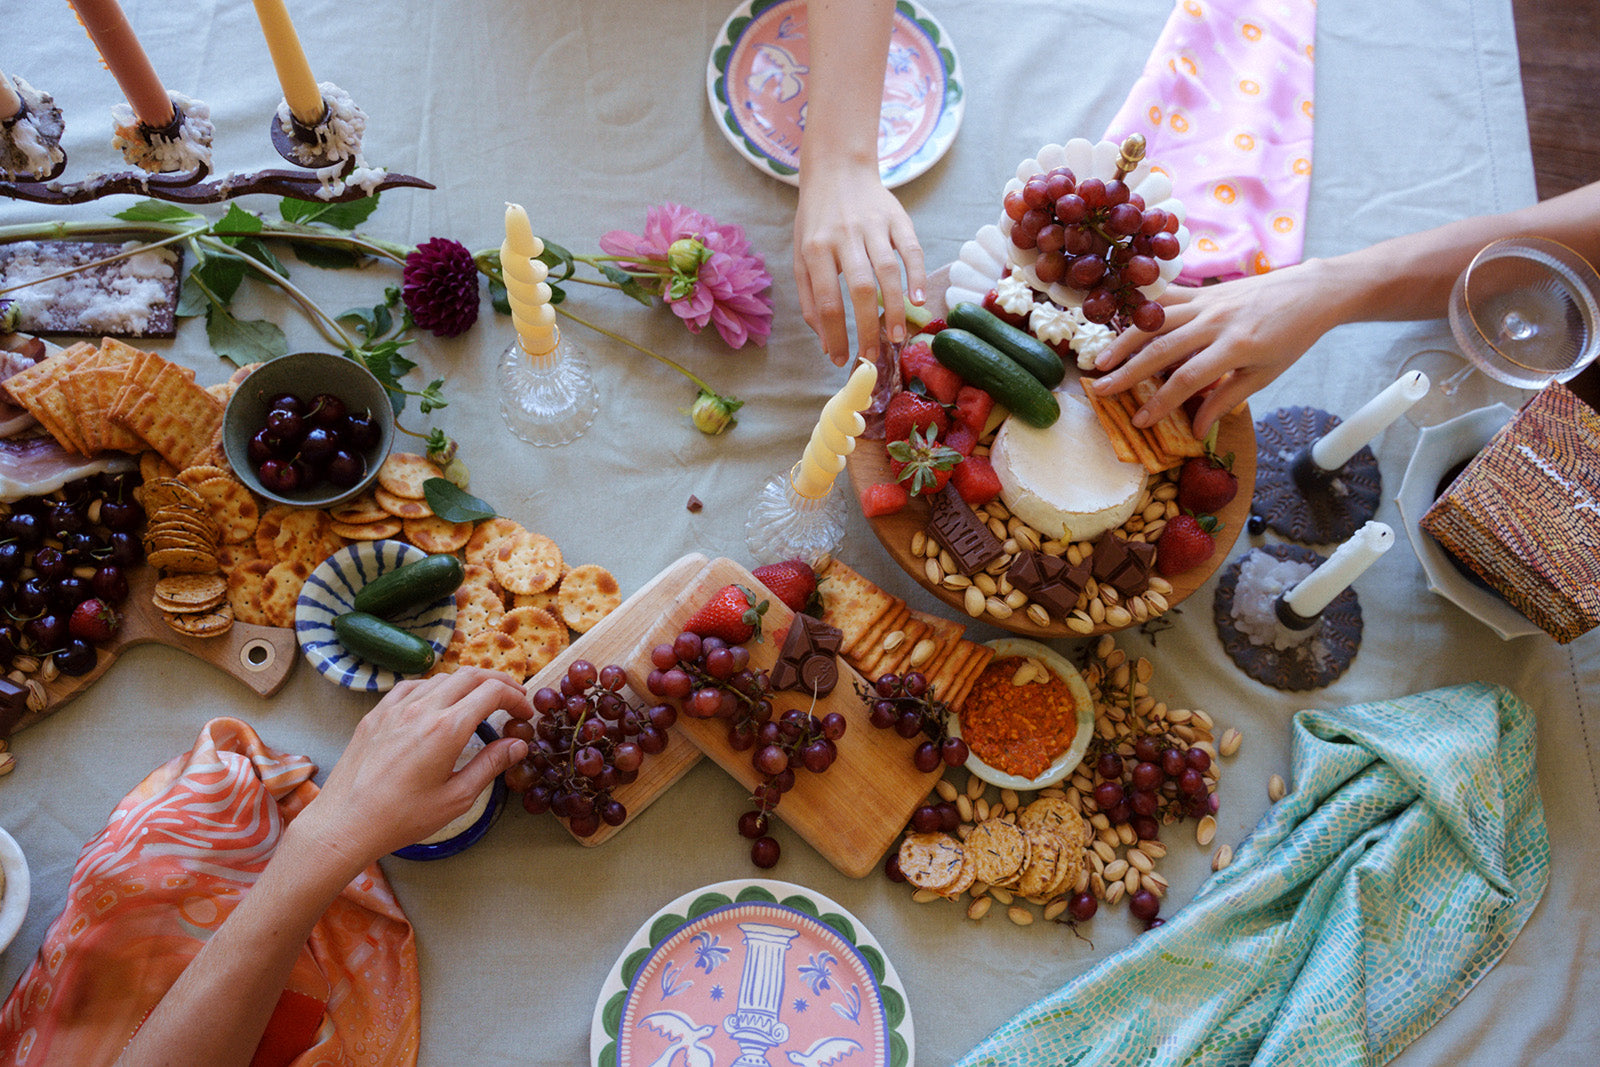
[587,113]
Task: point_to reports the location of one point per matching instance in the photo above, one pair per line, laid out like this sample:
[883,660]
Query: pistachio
[1019,915]
[894,640]
[8,763]
[923,651]
[1222,858]
[1206,832]
[1053,910]
[925,896]
[973,601]
[919,541]
[1114,891]
[1002,895]
[1138,858]
[1277,788]
[1037,615]
[931,569]
[979,908]
[1231,740]
[997,607]
[1115,870]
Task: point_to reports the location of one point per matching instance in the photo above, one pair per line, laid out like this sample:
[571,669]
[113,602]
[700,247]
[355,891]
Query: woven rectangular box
[1525,513]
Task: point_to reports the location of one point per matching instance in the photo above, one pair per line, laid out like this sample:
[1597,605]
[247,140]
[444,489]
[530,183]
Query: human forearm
[848,41]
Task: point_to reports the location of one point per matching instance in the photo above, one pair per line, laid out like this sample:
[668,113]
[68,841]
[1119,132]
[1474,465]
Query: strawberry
[910,411]
[922,463]
[94,621]
[915,356]
[791,581]
[1206,483]
[1185,543]
[972,408]
[992,305]
[975,479]
[883,498]
[961,438]
[733,614]
[934,326]
[918,364]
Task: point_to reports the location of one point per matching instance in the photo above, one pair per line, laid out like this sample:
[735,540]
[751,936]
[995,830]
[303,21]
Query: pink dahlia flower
[721,281]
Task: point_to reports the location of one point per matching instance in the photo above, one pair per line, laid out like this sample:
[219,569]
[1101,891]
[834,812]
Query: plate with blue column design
[758,72]
[752,971]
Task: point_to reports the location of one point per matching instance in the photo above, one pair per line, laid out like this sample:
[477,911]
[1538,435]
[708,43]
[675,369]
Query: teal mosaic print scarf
[1361,909]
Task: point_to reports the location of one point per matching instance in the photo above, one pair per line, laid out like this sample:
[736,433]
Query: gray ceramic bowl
[305,374]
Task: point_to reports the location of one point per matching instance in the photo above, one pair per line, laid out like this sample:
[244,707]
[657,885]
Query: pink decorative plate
[756,81]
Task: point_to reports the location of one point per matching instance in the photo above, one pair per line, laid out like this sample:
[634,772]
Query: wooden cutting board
[614,640]
[856,809]
[259,656]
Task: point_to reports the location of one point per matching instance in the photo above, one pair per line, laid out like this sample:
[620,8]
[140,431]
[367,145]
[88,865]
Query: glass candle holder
[785,525]
[547,400]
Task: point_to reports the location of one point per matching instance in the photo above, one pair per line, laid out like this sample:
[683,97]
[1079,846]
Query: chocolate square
[807,661]
[1050,581]
[1123,565]
[959,531]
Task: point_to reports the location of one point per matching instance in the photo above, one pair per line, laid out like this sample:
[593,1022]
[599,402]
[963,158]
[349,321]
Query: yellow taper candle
[835,435]
[526,289]
[10,102]
[125,58]
[294,73]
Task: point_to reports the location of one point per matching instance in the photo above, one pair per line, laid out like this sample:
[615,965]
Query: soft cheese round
[1066,475]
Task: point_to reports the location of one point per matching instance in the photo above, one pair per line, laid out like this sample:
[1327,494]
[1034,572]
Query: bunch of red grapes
[909,708]
[1096,237]
[586,741]
[712,679]
[1160,779]
[58,552]
[304,444]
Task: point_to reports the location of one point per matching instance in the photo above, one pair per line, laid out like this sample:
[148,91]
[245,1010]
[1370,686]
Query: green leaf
[156,211]
[629,284]
[220,273]
[554,256]
[243,341]
[431,399]
[347,215]
[257,249]
[372,322]
[500,299]
[453,504]
[192,301]
[237,221]
[326,256]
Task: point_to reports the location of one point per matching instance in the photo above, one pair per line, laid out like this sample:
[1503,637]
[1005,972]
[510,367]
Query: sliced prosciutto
[34,466]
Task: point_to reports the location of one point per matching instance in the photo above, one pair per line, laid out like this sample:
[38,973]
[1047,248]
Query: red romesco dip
[1018,729]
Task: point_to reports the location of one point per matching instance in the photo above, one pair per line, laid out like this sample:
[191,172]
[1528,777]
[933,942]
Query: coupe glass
[1524,313]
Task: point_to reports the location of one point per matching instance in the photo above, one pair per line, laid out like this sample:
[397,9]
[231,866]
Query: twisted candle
[835,434]
[526,288]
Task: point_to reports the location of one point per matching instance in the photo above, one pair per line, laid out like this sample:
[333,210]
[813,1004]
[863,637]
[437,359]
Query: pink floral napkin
[173,861]
[1224,104]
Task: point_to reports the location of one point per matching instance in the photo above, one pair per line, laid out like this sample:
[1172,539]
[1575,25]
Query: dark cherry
[67,593]
[279,476]
[110,584]
[125,515]
[25,527]
[327,411]
[50,562]
[319,444]
[346,468]
[66,517]
[45,633]
[32,596]
[361,431]
[286,402]
[264,445]
[286,426]
[11,559]
[78,657]
[80,547]
[126,550]
[10,642]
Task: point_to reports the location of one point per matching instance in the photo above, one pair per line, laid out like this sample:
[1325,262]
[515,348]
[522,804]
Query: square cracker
[876,660]
[967,677]
[851,603]
[38,389]
[178,418]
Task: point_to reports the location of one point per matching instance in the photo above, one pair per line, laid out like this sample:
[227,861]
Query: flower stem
[184,235]
[324,322]
[680,368]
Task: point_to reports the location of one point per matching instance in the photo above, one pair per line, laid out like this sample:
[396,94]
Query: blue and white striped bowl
[331,591]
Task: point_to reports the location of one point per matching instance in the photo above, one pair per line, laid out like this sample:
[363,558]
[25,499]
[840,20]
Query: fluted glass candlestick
[550,399]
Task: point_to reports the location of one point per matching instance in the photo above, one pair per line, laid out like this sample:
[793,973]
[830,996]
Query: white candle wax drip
[835,435]
[1334,449]
[1316,590]
[532,314]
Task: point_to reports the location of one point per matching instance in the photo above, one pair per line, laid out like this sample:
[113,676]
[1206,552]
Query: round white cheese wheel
[1066,476]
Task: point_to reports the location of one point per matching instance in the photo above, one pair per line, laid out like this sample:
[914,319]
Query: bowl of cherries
[308,429]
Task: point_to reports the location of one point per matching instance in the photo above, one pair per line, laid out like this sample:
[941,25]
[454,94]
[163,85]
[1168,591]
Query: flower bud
[685,255]
[713,414]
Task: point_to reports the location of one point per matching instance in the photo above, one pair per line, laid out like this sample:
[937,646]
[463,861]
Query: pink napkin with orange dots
[1224,104]
[176,856]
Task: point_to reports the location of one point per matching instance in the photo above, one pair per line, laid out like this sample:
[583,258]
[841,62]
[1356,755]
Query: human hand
[849,227]
[1239,334]
[396,782]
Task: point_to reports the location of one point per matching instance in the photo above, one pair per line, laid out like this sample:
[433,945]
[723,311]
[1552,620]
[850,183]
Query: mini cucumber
[411,586]
[382,644]
[997,374]
[1036,357]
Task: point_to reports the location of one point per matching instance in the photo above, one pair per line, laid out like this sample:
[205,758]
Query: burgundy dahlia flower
[440,287]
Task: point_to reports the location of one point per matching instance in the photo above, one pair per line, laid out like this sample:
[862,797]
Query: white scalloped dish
[985,259]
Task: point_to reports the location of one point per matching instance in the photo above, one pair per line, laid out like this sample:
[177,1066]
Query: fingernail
[897,334]
[1141,418]
[519,750]
[917,296]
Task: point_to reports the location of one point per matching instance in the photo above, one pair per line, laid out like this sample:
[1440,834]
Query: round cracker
[358,509]
[526,562]
[230,557]
[401,507]
[541,635]
[232,508]
[380,530]
[404,472]
[931,861]
[478,608]
[549,600]
[190,592]
[480,546]
[280,591]
[433,534]
[244,592]
[203,472]
[495,651]
[999,850]
[587,594]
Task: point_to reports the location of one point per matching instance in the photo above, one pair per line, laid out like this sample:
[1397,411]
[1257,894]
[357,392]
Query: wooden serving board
[259,656]
[614,640]
[869,465]
[856,809]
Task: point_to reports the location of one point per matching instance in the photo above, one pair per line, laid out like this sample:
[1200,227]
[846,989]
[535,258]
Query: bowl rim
[17,890]
[241,468]
[451,846]
[1068,761]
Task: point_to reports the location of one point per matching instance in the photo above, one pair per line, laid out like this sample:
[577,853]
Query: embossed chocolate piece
[808,661]
[1050,581]
[960,532]
[1123,565]
[13,705]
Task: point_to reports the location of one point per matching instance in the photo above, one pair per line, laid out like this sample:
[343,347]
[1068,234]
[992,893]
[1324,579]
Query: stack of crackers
[1159,447]
[882,635]
[1036,853]
[181,539]
[117,398]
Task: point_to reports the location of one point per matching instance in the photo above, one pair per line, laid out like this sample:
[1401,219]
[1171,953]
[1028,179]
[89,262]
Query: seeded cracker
[190,592]
[526,562]
[999,850]
[587,594]
[208,624]
[404,472]
[931,861]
